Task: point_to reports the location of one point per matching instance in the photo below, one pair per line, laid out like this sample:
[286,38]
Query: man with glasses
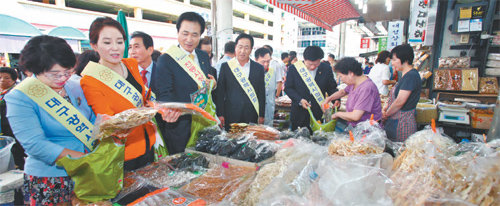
[240,87]
[307,83]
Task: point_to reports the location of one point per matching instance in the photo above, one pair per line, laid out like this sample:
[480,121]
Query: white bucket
[6,143]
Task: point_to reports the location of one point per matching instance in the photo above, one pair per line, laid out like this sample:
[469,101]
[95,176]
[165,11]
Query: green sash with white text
[244,83]
[60,109]
[186,63]
[309,80]
[268,76]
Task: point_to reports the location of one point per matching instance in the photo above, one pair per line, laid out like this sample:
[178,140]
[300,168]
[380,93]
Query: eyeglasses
[59,74]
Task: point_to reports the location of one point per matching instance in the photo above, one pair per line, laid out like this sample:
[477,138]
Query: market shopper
[8,77]
[176,83]
[363,99]
[241,89]
[228,55]
[399,112]
[126,91]
[271,79]
[306,84]
[278,68]
[41,111]
[380,73]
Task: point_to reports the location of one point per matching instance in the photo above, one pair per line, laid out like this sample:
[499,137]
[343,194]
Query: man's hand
[305,104]
[261,120]
[171,115]
[211,78]
[222,122]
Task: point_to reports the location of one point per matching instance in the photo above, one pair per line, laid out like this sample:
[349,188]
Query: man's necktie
[144,78]
[191,56]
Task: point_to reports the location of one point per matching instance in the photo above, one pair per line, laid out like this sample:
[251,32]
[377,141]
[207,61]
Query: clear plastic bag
[185,108]
[488,85]
[454,62]
[219,182]
[167,196]
[366,138]
[118,124]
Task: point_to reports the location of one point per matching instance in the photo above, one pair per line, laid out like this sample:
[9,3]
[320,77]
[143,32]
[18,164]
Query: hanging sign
[382,44]
[365,43]
[418,21]
[395,32]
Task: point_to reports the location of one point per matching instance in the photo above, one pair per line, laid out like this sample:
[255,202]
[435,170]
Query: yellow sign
[466,13]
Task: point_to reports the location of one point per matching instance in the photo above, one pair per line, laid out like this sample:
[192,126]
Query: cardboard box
[426,112]
[481,121]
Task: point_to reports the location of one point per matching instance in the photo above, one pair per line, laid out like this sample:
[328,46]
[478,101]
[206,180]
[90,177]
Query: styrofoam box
[11,180]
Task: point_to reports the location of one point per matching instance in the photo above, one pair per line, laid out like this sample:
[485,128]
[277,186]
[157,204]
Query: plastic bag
[190,162]
[263,132]
[470,79]
[488,85]
[99,174]
[454,62]
[219,182]
[366,138]
[441,79]
[106,126]
[184,108]
[317,126]
[167,196]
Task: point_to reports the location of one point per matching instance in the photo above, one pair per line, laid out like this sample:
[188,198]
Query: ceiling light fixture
[365,9]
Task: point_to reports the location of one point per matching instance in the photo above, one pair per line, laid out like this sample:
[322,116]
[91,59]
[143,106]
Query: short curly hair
[41,53]
[349,64]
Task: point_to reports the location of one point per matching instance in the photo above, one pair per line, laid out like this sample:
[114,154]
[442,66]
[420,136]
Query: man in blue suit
[301,94]
[241,92]
[174,84]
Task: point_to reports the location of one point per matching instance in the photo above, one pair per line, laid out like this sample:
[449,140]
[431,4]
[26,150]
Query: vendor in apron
[363,99]
[399,112]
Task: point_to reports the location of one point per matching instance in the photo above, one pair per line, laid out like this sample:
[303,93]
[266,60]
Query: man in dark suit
[237,103]
[299,92]
[141,48]
[174,84]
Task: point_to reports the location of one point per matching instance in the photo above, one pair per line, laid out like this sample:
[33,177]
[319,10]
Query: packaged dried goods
[167,196]
[454,62]
[115,125]
[441,79]
[455,83]
[470,80]
[219,182]
[184,108]
[263,132]
[488,85]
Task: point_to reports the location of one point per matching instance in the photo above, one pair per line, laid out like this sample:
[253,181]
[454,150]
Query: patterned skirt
[47,190]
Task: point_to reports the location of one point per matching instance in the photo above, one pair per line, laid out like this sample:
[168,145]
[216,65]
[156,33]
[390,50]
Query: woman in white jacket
[380,74]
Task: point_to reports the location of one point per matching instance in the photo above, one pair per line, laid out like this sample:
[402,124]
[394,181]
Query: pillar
[138,13]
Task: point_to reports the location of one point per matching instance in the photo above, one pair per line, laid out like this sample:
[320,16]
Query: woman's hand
[171,115]
[211,78]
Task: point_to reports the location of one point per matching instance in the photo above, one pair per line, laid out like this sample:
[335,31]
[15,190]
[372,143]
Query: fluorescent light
[366,30]
[365,9]
[381,28]
[360,5]
[389,6]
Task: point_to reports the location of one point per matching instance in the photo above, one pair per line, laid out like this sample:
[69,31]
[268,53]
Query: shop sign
[365,43]
[418,21]
[395,31]
[478,12]
[382,44]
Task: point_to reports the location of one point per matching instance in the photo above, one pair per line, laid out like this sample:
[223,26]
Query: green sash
[114,81]
[244,83]
[187,64]
[268,76]
[309,80]
[60,109]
